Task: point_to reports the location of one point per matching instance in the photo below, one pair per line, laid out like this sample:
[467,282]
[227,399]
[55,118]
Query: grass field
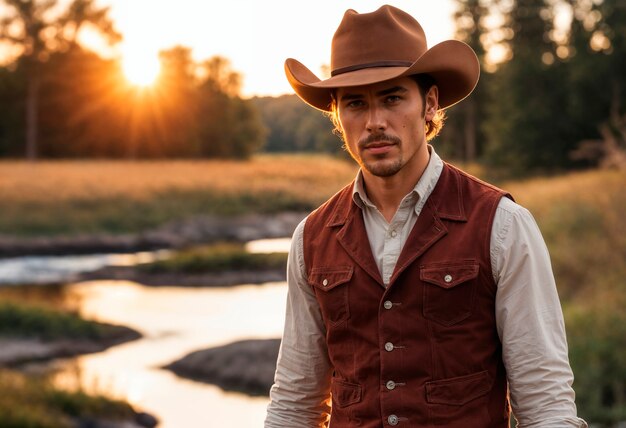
[50,198]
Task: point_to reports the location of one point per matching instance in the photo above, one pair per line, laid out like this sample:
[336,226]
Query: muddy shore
[247,366]
[173,235]
[16,351]
[179,279]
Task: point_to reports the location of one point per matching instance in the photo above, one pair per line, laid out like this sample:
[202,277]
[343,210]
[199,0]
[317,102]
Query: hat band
[370,65]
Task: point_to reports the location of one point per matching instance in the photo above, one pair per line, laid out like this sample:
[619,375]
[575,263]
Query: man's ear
[432,103]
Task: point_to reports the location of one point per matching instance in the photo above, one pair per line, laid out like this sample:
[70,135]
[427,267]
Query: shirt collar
[420,192]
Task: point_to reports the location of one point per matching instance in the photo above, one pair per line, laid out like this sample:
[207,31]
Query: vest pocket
[331,288]
[449,290]
[460,402]
[344,393]
[460,390]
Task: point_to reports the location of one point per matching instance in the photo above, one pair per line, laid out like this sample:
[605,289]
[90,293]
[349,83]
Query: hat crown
[386,37]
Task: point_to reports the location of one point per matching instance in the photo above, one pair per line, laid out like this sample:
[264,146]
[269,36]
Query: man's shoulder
[472,181]
[338,201]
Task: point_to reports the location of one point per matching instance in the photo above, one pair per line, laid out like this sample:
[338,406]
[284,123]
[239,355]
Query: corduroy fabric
[424,351]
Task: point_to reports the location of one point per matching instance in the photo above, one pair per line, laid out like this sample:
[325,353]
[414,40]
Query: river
[175,321]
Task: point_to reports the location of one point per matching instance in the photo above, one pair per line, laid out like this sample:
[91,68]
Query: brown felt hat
[373,47]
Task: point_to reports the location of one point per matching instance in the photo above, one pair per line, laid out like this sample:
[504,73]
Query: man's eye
[354,104]
[392,99]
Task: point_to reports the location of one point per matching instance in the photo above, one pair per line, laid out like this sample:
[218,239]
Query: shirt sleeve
[300,395]
[530,323]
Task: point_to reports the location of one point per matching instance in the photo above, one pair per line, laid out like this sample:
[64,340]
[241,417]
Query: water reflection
[47,269]
[279,245]
[174,321]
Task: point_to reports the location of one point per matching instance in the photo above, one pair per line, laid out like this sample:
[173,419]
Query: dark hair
[424,83]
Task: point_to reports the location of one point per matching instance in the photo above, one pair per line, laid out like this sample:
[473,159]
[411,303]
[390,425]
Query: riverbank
[176,234]
[217,265]
[33,333]
[29,401]
[181,279]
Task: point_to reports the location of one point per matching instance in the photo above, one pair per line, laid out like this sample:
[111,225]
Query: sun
[140,68]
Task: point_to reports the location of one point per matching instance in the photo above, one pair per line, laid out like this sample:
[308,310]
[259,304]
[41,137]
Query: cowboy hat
[373,47]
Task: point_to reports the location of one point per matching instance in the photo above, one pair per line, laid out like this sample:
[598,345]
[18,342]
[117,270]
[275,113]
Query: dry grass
[77,197]
[311,177]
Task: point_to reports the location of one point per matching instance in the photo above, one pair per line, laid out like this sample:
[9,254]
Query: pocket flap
[450,274]
[457,391]
[345,393]
[327,278]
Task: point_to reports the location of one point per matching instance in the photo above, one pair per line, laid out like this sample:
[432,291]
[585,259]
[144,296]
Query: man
[418,295]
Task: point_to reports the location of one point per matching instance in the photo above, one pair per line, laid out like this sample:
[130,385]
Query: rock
[146,420]
[247,366]
[141,420]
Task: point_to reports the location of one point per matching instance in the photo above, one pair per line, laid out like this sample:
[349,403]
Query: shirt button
[390,385]
[447,278]
[325,282]
[388,346]
[393,420]
[393,233]
[387,304]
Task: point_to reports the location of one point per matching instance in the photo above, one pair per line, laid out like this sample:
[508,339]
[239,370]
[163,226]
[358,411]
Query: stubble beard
[380,167]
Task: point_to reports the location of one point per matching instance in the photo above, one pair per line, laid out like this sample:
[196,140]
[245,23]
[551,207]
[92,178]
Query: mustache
[378,138]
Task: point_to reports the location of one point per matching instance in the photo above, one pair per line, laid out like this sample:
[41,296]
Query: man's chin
[383,168]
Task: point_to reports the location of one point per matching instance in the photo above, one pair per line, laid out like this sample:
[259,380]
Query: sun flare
[141,68]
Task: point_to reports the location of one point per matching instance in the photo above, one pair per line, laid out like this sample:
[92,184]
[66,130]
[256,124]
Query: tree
[463,134]
[229,126]
[596,70]
[527,125]
[33,27]
[296,127]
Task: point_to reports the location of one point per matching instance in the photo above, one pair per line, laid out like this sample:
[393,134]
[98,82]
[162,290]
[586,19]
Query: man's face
[383,125]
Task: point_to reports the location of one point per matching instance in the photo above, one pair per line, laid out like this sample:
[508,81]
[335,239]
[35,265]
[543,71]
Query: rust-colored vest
[423,352]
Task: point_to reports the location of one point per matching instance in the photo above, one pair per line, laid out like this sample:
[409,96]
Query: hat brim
[452,64]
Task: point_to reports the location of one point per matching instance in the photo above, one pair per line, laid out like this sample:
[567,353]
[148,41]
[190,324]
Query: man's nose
[376,121]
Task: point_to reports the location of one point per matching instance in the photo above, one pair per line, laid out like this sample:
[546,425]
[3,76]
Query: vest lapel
[352,235]
[427,231]
[445,202]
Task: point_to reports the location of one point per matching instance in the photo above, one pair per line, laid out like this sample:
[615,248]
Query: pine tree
[527,123]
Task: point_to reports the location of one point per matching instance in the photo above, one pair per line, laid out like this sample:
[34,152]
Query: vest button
[390,385]
[388,346]
[447,278]
[393,420]
[325,282]
[387,304]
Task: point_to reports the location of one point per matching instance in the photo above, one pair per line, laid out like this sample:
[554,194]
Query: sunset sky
[257,36]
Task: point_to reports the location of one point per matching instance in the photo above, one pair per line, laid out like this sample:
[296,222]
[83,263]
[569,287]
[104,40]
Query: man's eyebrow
[393,90]
[350,97]
[355,96]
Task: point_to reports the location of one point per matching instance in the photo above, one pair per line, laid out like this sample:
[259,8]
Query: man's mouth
[378,147]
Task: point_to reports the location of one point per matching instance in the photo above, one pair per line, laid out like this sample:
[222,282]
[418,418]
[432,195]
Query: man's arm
[301,390]
[530,323]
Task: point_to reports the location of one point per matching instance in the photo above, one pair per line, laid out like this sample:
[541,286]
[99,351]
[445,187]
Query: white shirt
[528,316]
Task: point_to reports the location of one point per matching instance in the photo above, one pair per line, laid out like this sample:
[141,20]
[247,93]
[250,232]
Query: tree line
[554,102]
[58,99]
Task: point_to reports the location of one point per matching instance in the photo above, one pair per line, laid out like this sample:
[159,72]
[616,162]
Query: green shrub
[217,258]
[34,403]
[44,323]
